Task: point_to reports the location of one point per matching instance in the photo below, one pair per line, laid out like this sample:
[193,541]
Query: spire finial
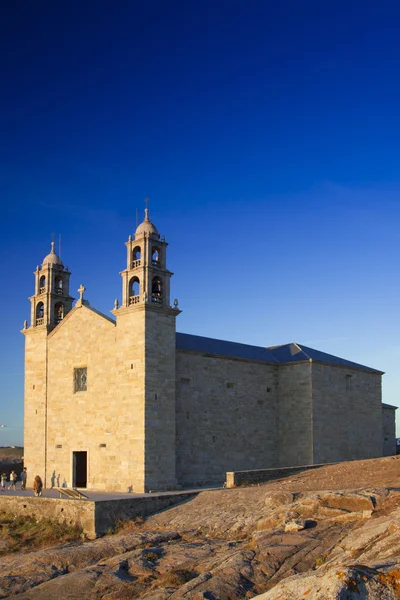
[52,244]
[146,210]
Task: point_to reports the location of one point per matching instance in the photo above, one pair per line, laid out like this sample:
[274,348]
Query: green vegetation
[21,533]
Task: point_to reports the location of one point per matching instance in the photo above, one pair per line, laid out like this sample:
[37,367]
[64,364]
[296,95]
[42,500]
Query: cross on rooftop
[81,290]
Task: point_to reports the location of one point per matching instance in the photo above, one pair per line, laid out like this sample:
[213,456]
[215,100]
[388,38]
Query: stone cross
[81,290]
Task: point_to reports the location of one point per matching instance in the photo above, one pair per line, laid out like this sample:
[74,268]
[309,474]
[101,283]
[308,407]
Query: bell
[156,288]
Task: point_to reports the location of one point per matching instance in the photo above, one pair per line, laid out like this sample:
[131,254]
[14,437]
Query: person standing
[23,478]
[3,479]
[37,486]
[13,480]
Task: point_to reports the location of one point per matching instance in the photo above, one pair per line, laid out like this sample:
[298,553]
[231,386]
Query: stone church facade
[128,404]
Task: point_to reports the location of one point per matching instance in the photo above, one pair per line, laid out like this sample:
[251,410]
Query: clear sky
[266,135]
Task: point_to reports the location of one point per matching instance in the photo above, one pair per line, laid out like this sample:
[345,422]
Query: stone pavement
[100,495]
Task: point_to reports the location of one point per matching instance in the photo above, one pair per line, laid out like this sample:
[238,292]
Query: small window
[80,379]
[59,446]
[185,381]
[269,390]
[102,445]
[348,383]
[230,385]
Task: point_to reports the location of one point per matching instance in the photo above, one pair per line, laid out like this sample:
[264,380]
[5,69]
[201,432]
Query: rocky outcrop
[260,542]
[350,582]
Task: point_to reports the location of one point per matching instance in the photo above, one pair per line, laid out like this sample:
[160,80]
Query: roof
[296,352]
[204,345]
[390,406]
[284,354]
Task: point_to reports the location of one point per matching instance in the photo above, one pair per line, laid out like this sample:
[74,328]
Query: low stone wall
[80,512]
[95,518]
[107,512]
[237,478]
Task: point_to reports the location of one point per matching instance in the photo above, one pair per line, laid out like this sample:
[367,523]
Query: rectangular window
[348,383]
[80,379]
[185,381]
[230,385]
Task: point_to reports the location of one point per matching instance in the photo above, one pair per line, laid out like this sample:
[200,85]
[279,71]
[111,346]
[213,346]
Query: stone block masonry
[238,478]
[95,517]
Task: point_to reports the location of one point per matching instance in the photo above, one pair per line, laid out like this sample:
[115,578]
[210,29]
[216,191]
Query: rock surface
[330,533]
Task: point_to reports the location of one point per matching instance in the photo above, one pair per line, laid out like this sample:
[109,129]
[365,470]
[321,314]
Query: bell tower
[51,301]
[146,278]
[146,342]
[49,305]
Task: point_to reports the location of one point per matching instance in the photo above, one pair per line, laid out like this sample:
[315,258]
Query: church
[127,404]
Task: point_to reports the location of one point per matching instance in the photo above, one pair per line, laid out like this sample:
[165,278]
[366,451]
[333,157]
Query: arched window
[136,257]
[42,284]
[40,314]
[59,286]
[134,290]
[156,291]
[58,312]
[155,257]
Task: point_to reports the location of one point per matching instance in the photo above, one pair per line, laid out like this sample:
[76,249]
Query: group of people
[37,484]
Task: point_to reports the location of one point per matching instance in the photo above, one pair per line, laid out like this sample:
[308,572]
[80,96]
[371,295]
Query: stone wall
[226,417]
[160,433]
[71,512]
[95,518]
[35,401]
[347,414]
[238,478]
[124,421]
[295,415]
[108,512]
[84,420]
[389,430]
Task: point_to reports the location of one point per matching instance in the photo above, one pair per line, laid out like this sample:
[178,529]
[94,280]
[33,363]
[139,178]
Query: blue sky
[266,136]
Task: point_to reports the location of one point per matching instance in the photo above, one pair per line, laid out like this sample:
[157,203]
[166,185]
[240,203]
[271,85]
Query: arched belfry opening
[134,290]
[58,312]
[59,286]
[155,256]
[40,313]
[136,257]
[156,290]
[42,285]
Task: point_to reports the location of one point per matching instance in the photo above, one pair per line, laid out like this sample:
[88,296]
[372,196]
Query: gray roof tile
[286,353]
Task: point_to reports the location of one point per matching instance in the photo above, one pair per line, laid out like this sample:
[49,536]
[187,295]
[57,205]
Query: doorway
[79,469]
